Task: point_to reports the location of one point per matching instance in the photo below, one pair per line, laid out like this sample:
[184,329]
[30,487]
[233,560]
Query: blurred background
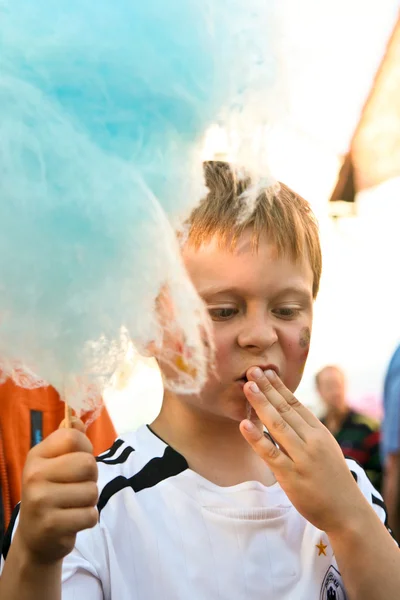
[338,146]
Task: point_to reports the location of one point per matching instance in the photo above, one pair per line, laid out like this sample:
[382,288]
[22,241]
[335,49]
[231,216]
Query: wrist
[352,529]
[30,561]
[26,576]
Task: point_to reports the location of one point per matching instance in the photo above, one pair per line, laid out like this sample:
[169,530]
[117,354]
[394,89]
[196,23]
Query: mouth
[243,379]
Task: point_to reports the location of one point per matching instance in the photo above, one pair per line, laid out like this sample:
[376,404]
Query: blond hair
[280,213]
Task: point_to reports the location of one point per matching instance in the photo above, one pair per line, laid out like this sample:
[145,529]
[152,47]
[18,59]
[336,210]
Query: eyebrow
[217,290]
[298,290]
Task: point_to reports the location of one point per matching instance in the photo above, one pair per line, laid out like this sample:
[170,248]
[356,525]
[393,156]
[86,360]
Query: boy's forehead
[213,265]
[214,252]
[215,246]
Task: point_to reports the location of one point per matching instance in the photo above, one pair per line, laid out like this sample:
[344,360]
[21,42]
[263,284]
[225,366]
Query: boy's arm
[368,558]
[313,473]
[364,539]
[25,579]
[59,495]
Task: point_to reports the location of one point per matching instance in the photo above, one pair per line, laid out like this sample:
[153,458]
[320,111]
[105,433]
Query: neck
[213,447]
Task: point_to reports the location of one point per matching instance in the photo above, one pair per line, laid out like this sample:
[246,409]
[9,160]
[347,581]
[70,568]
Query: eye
[286,312]
[223,313]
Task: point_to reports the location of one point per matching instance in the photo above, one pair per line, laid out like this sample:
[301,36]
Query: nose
[258,333]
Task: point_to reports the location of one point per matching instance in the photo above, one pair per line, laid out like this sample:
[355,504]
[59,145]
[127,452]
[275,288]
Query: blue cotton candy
[103,110]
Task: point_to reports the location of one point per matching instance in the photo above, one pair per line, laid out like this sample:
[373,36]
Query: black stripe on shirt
[123,457]
[355,476]
[363,470]
[155,471]
[110,453]
[375,500]
[9,532]
[381,503]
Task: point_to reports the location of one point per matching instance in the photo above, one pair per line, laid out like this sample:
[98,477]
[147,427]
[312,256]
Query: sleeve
[82,585]
[8,536]
[80,578]
[373,497]
[391,421]
[86,572]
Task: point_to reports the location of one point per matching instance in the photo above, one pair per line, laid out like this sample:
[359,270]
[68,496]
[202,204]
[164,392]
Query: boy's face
[262,307]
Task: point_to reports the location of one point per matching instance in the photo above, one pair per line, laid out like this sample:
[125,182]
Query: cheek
[224,345]
[223,356]
[304,346]
[296,346]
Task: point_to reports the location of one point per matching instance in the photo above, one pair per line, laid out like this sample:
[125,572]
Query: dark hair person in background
[357,434]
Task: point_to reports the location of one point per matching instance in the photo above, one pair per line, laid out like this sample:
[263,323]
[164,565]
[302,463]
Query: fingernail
[254,387]
[270,374]
[248,426]
[257,373]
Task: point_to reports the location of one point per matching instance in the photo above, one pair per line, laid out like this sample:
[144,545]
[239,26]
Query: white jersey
[166,533]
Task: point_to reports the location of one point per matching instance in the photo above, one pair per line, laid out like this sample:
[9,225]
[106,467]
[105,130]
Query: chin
[229,404]
[237,409]
[232,417]
[228,412]
[239,415]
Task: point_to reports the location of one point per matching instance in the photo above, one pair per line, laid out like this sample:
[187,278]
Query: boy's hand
[59,495]
[309,464]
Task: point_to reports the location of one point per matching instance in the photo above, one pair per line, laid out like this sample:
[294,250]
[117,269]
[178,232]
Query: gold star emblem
[321,548]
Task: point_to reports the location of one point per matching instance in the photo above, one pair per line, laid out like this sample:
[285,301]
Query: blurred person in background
[390,448]
[27,416]
[357,435]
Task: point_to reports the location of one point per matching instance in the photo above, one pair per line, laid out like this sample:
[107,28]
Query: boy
[202,504]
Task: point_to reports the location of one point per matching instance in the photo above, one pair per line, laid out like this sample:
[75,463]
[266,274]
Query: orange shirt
[26,417]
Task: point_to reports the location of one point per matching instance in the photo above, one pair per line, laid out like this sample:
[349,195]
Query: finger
[72,468]
[279,402]
[277,426]
[69,521]
[307,415]
[262,445]
[74,495]
[63,441]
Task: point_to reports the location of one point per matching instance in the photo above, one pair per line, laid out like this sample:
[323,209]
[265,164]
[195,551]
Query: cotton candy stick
[68,416]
